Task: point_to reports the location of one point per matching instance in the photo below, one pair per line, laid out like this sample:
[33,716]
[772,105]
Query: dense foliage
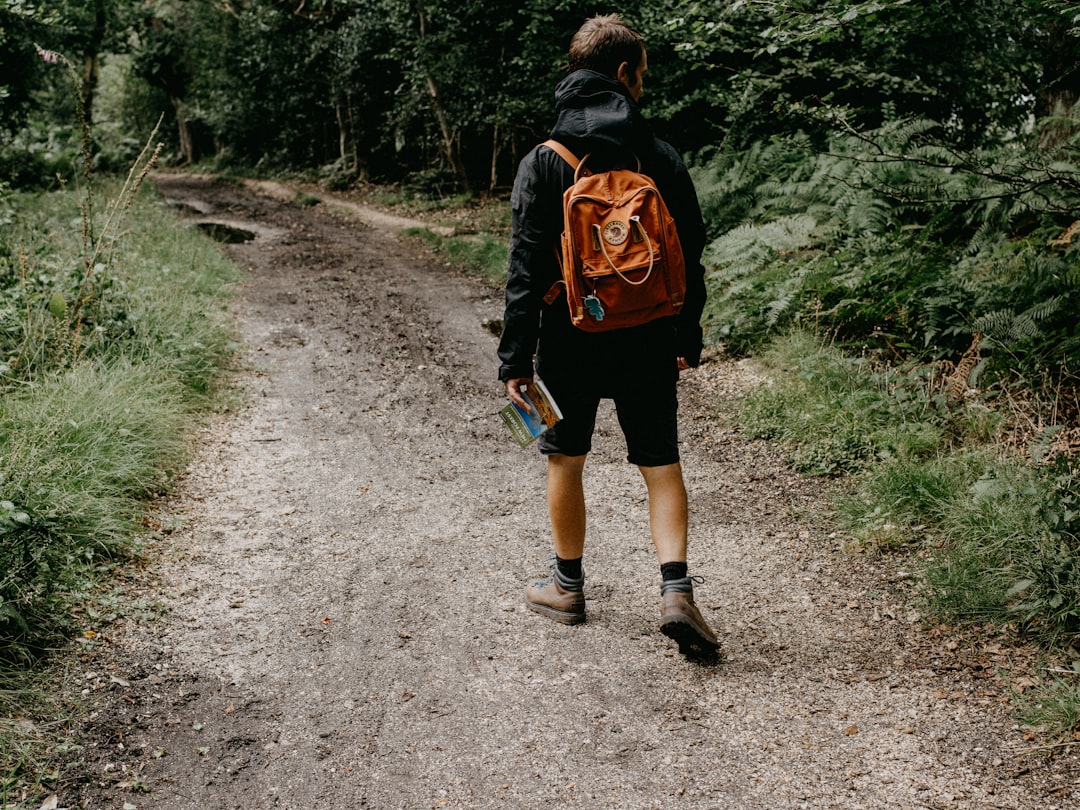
[903,175]
[452,92]
[895,243]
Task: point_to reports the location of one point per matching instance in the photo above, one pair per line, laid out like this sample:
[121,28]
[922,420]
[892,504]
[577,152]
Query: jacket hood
[594,111]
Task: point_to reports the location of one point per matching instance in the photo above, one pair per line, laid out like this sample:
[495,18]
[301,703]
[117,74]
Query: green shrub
[41,156]
[1013,544]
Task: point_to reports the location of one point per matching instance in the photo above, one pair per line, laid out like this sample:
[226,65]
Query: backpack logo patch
[616,232]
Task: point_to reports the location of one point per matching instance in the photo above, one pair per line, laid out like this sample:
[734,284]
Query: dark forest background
[451,92]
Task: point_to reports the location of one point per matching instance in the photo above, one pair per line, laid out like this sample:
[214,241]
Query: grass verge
[113,345]
[482,256]
[995,530]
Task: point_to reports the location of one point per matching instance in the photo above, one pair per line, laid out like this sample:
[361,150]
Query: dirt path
[344,575]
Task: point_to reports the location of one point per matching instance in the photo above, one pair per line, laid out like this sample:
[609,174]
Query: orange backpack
[621,259]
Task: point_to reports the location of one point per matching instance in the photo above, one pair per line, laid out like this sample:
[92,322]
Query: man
[637,367]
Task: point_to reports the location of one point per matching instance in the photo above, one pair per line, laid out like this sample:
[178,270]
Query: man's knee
[566,463]
[664,478]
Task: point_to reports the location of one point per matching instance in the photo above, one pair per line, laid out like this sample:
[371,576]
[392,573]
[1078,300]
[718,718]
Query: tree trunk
[183,128]
[348,138]
[1060,87]
[343,135]
[91,67]
[359,168]
[92,64]
[494,179]
[450,141]
[450,144]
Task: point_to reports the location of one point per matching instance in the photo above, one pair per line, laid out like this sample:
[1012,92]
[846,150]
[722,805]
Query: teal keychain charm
[593,305]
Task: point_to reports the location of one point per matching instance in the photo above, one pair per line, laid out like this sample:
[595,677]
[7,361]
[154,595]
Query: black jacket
[595,116]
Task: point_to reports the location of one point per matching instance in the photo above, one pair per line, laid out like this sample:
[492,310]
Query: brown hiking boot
[681,620]
[552,600]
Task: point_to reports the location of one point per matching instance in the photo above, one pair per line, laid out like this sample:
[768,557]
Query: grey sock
[568,584]
[680,585]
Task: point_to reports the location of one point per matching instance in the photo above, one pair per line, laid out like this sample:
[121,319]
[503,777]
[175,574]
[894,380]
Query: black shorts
[646,403]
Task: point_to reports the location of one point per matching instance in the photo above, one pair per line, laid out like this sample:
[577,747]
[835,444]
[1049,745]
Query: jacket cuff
[507,373]
[690,346]
[693,359]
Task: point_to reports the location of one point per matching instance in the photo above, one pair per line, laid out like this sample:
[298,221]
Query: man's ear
[623,73]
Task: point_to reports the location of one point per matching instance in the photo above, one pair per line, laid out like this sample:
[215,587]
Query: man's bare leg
[562,597]
[566,505]
[667,511]
[668,520]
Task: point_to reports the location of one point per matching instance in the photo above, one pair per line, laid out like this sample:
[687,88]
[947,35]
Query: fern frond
[1045,310]
[1007,325]
[749,247]
[777,308]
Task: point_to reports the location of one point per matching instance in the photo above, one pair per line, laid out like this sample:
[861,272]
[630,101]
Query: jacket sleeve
[536,222]
[686,211]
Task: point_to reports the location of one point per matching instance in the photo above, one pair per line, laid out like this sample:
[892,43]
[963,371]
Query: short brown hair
[603,43]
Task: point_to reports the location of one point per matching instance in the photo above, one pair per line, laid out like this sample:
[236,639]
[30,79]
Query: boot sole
[561,616]
[691,642]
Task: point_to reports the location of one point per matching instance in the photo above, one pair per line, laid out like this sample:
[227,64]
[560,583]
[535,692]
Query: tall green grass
[100,381]
[105,367]
[836,414]
[1014,541]
[81,452]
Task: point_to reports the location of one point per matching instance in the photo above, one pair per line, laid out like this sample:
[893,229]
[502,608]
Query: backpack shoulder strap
[563,152]
[574,162]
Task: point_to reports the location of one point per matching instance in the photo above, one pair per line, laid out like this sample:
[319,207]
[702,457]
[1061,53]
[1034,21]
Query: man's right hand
[513,390]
